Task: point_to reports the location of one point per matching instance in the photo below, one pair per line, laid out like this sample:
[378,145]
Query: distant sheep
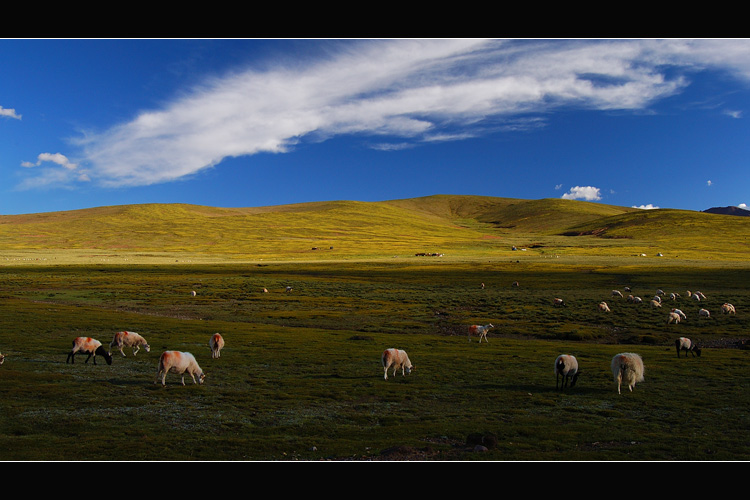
[655,303]
[558,302]
[566,366]
[217,344]
[179,363]
[727,308]
[396,358]
[634,300]
[603,307]
[87,345]
[481,331]
[673,318]
[616,293]
[2,359]
[704,313]
[193,293]
[288,289]
[128,339]
[627,368]
[687,345]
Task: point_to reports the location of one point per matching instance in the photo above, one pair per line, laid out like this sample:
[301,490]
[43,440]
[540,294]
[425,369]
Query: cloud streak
[402,92]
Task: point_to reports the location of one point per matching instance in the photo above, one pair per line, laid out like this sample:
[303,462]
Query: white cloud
[558,187]
[410,90]
[588,193]
[733,114]
[709,183]
[9,113]
[647,207]
[57,158]
[742,205]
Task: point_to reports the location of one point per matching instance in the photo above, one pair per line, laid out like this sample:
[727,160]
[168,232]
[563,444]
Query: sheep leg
[183,378]
[87,359]
[136,349]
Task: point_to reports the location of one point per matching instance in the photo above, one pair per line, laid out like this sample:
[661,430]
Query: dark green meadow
[300,376]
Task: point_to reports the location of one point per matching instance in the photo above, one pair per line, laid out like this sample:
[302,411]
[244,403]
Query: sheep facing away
[566,366]
[627,368]
[687,345]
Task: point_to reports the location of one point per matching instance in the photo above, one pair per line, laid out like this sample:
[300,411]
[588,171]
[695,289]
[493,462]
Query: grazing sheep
[396,358]
[603,307]
[634,300]
[515,284]
[674,296]
[288,289]
[566,366]
[701,295]
[217,344]
[659,292]
[704,313]
[655,303]
[481,331]
[616,293]
[657,298]
[2,359]
[627,368]
[687,345]
[673,318]
[87,345]
[559,302]
[128,339]
[696,297]
[193,293]
[179,363]
[727,308]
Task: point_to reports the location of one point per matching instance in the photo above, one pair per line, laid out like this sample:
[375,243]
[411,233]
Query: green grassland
[300,377]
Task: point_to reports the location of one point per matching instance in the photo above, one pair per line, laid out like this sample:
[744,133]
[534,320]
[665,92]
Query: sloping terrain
[468,225]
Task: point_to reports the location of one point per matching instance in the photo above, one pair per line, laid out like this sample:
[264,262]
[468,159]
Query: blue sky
[236,123]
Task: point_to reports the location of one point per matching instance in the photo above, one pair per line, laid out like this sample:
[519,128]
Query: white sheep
[687,345]
[179,363]
[634,300]
[2,359]
[566,366]
[616,293]
[673,318]
[558,302]
[603,307]
[655,303]
[129,339]
[627,368]
[727,308]
[397,358]
[480,330]
[217,344]
[704,313]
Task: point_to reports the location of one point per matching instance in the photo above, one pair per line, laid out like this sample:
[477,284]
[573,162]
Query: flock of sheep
[627,367]
[177,362]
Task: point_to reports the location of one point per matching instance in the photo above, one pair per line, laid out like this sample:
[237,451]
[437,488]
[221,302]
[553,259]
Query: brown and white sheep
[87,345]
[217,344]
[128,339]
[179,363]
[481,331]
[727,308]
[397,358]
[603,307]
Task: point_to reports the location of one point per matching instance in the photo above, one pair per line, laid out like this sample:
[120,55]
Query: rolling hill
[459,225]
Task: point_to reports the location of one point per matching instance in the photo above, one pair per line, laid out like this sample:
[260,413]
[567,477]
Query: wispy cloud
[401,91]
[588,193]
[646,207]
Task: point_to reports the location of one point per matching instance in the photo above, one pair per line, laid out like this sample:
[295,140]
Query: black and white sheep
[687,345]
[566,366]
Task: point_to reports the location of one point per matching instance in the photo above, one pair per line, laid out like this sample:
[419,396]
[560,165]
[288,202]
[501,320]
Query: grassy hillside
[474,226]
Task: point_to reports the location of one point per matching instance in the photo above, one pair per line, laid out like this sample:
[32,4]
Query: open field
[300,377]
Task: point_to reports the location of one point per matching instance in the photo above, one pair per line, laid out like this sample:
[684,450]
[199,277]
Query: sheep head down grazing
[566,366]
